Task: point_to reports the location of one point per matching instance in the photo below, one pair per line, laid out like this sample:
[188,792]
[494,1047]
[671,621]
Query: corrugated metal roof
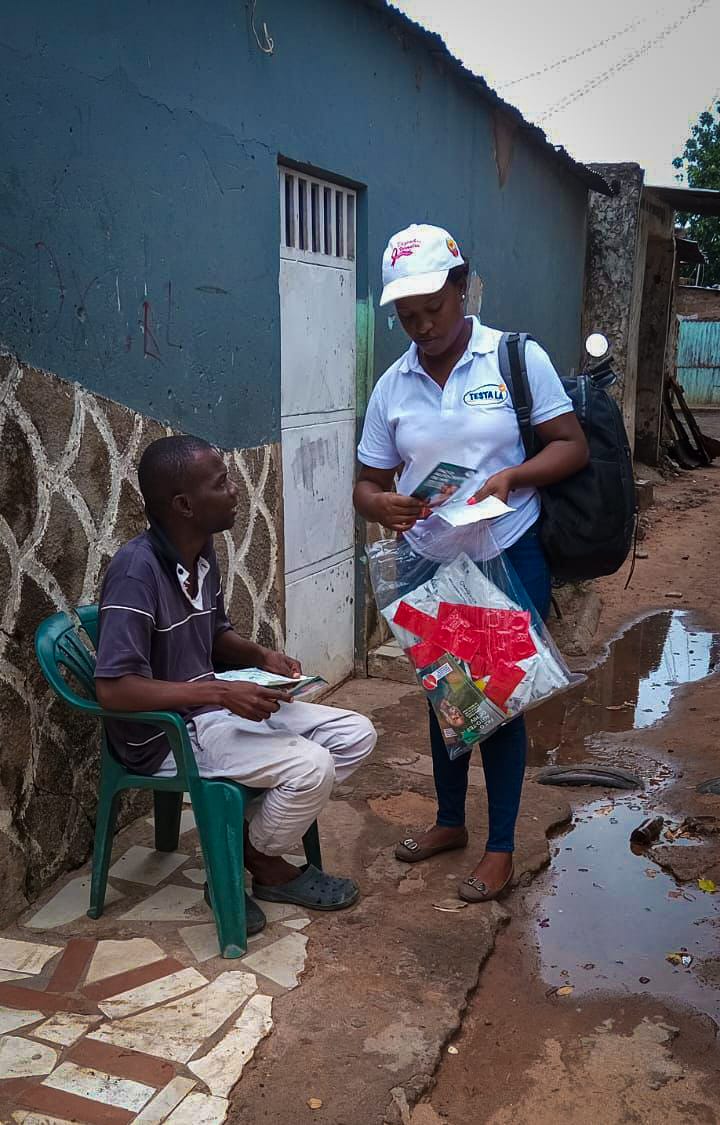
[436,46]
[695,201]
[689,251]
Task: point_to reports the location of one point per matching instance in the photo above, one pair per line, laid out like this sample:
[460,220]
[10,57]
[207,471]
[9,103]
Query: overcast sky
[661,76]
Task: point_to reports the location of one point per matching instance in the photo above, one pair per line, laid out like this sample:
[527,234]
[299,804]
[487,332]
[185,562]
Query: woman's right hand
[398,513]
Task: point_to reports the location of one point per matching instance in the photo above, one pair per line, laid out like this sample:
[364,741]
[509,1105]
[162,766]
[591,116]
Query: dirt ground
[560,1004]
[613,1046]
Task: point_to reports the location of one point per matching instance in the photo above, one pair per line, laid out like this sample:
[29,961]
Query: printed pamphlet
[442,483]
[464,712]
[293,686]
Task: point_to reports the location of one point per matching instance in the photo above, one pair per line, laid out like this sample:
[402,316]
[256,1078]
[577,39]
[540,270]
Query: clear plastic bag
[478,646]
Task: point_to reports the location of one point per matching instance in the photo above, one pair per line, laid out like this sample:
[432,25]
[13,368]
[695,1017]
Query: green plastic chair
[218,805]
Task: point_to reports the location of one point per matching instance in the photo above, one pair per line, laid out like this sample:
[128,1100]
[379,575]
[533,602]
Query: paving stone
[64,1028]
[137,1067]
[27,1117]
[199,1109]
[282,961]
[73,963]
[278,911]
[165,1101]
[170,904]
[20,1058]
[25,956]
[70,903]
[178,1029]
[195,875]
[123,982]
[113,957]
[12,1018]
[145,865]
[222,1067]
[151,994]
[57,1103]
[100,1087]
[297,923]
[187,820]
[202,941]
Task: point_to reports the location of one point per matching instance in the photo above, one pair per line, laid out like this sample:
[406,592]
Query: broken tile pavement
[111,1025]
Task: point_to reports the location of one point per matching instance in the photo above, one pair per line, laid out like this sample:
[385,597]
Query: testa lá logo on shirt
[489,394]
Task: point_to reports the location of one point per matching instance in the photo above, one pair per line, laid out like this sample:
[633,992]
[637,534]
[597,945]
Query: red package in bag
[457,636]
[480,666]
[424,653]
[414,620]
[505,632]
[504,678]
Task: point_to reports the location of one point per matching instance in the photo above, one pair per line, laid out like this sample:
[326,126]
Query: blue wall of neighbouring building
[698,361]
[139,217]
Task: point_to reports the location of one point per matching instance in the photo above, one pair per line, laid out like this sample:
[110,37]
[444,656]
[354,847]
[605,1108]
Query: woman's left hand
[499,484]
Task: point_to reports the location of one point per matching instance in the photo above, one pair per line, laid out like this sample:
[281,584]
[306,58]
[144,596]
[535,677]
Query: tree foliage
[700,163]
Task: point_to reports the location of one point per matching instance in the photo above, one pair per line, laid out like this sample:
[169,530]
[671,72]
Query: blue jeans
[505,752]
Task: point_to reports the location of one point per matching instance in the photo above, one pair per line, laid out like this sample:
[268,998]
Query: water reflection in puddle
[631,689]
[605,917]
[609,917]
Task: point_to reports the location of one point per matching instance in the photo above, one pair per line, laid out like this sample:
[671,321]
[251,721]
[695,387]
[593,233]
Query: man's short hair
[164,467]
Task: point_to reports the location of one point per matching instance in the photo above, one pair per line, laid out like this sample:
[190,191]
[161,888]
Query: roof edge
[437,46]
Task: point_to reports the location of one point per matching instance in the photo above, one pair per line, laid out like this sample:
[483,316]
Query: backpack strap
[511,357]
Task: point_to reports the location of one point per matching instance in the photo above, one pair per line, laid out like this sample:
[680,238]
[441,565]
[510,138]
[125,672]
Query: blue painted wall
[139,223]
[698,361]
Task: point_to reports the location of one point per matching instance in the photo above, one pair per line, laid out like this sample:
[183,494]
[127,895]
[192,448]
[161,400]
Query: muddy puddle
[632,688]
[606,917]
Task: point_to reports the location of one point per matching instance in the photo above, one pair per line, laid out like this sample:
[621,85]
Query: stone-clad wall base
[68,500]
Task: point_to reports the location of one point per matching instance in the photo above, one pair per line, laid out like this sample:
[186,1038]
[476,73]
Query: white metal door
[317,329]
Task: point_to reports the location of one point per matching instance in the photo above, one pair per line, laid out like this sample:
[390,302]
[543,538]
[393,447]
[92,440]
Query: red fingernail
[472,500]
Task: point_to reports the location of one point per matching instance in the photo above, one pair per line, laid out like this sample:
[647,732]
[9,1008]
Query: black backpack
[588,520]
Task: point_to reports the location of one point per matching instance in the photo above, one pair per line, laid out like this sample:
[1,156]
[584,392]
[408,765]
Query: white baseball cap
[417,261]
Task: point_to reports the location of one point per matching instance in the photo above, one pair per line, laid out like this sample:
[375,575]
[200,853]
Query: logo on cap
[453,247]
[404,250]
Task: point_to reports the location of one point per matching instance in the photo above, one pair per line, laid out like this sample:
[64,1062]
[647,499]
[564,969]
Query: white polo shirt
[471,421]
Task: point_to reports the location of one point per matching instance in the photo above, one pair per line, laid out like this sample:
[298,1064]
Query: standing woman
[421,412]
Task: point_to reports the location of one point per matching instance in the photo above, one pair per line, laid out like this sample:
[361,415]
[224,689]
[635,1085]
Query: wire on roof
[622,64]
[576,55]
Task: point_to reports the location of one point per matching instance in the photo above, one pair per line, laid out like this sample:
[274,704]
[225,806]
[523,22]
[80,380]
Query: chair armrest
[169,721]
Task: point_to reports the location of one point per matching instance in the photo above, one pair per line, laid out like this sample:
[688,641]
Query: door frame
[364,377]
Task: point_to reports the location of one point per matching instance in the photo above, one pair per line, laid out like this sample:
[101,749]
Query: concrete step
[389,662]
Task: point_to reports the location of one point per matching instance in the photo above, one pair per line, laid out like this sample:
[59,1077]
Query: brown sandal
[409,851]
[473,889]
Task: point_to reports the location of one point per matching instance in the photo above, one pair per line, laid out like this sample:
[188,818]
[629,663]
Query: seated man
[163,628]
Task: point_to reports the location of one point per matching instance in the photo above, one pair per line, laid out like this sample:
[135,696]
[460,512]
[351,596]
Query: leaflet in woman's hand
[460,513]
[442,483]
[293,685]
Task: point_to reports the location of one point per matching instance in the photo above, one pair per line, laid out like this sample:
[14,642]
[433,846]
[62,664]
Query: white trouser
[296,755]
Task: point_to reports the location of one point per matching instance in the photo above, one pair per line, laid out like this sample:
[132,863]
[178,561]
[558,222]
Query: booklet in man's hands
[296,685]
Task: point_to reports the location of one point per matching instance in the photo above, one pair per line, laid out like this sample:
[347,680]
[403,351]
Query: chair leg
[102,850]
[168,810]
[311,842]
[219,808]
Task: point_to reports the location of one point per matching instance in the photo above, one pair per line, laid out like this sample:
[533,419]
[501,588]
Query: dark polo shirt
[150,627]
